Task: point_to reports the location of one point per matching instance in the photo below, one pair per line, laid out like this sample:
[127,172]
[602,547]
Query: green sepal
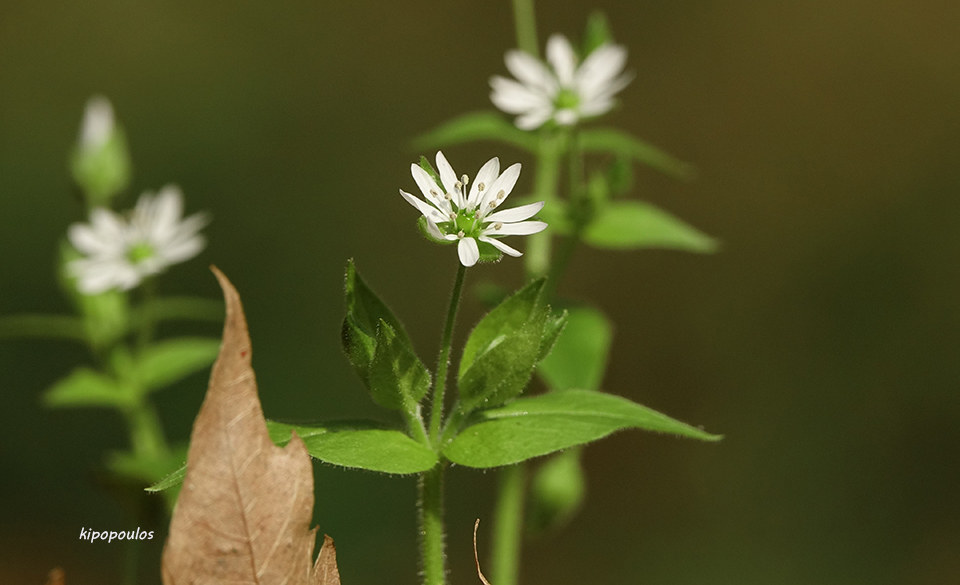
[476,126]
[620,143]
[359,445]
[171,360]
[488,253]
[104,172]
[533,426]
[422,227]
[632,225]
[424,163]
[597,32]
[557,490]
[86,387]
[579,358]
[502,350]
[397,379]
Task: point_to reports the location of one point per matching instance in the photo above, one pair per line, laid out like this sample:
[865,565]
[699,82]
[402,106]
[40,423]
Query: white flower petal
[515,214]
[515,98]
[531,72]
[485,177]
[428,211]
[98,124]
[523,228]
[501,246]
[468,251]
[448,177]
[561,56]
[600,68]
[432,192]
[504,184]
[566,117]
[433,230]
[534,118]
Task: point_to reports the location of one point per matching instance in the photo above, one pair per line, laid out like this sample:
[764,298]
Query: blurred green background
[821,340]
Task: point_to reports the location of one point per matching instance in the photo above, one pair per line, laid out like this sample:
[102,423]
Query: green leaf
[169,361]
[173,480]
[579,358]
[534,426]
[557,491]
[365,312]
[502,350]
[630,225]
[476,126]
[359,445]
[397,378]
[85,387]
[42,327]
[502,320]
[620,143]
[552,329]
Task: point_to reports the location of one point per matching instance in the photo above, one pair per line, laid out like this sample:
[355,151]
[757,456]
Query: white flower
[120,251]
[454,214]
[562,92]
[98,123]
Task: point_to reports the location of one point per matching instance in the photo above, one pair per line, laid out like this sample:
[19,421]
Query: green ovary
[139,252]
[566,100]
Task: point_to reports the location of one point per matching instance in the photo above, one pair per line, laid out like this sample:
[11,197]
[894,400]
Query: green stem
[537,256]
[508,525]
[432,554]
[146,433]
[147,316]
[443,361]
[525,22]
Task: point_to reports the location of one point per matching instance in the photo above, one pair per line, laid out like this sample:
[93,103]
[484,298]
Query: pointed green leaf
[502,349]
[473,127]
[173,480]
[503,319]
[631,225]
[579,358]
[360,445]
[552,329]
[169,361]
[620,143]
[85,387]
[365,312]
[397,378]
[538,425]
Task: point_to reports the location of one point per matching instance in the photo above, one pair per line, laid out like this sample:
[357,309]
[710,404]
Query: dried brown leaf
[243,515]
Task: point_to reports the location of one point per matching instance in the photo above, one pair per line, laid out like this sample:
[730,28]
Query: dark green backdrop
[821,340]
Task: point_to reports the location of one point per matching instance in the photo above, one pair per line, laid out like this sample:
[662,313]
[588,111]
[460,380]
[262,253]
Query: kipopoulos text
[92,535]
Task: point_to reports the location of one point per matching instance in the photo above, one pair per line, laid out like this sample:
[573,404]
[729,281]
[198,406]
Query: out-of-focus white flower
[564,91]
[98,123]
[452,213]
[120,251]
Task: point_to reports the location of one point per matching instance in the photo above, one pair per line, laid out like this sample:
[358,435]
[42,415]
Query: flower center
[466,222]
[567,99]
[139,252]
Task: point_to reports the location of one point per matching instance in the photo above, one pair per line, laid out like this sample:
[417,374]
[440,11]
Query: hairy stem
[537,256]
[432,555]
[443,361]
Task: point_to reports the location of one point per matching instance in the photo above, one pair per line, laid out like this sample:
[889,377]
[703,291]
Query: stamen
[434,193]
[493,204]
[498,225]
[501,194]
[481,187]
[465,180]
[447,196]
[460,234]
[453,217]
[458,185]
